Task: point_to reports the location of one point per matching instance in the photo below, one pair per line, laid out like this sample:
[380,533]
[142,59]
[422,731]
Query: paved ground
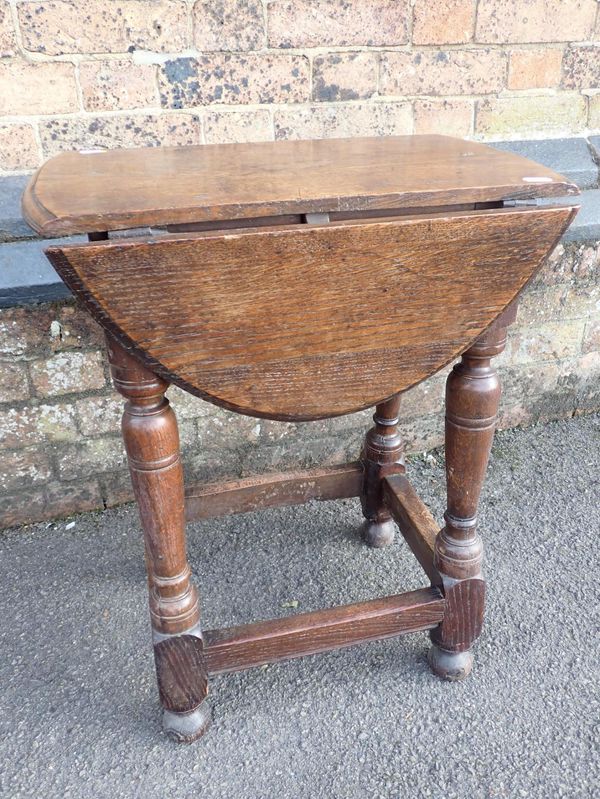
[78,706]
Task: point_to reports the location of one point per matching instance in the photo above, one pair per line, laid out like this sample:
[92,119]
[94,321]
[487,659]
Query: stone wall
[77,74]
[60,449]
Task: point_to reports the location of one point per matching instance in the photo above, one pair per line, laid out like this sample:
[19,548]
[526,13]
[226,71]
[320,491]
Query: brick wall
[146,72]
[77,74]
[60,449]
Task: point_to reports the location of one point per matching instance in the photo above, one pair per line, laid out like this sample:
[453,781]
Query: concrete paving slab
[570,156]
[78,703]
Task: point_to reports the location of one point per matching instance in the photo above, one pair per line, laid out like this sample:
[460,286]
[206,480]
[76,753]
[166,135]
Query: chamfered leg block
[382,455]
[152,443]
[472,398]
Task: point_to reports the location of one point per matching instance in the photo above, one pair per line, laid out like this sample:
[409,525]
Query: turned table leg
[472,397]
[382,455]
[152,443]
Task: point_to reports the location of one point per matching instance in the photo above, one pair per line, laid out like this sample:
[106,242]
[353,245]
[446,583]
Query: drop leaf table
[299,281]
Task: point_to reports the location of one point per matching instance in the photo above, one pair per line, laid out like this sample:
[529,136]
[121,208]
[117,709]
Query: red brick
[345,76]
[37,88]
[13,382]
[59,27]
[501,21]
[68,372]
[229,25]
[443,72]
[338,23]
[234,78]
[443,21]
[447,117]
[335,121]
[116,488]
[64,499]
[24,507]
[25,467]
[114,85]
[534,69]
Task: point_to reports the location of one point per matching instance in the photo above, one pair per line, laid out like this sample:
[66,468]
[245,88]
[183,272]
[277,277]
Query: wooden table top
[83,192]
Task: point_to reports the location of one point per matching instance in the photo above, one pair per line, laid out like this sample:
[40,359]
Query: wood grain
[181,673]
[209,501]
[472,398]
[308,321]
[85,192]
[249,645]
[414,519]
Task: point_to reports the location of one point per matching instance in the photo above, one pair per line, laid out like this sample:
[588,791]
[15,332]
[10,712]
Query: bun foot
[378,534]
[186,728]
[451,666]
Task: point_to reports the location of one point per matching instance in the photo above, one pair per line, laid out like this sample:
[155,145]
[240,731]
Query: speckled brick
[543,303]
[229,25]
[8,42]
[18,148]
[67,373]
[26,467]
[234,78]
[447,117]
[114,85]
[591,337]
[223,127]
[443,21]
[59,27]
[37,88]
[58,135]
[90,457]
[526,115]
[502,21]
[14,385]
[73,328]
[345,76]
[335,121]
[338,23]
[547,342]
[443,72]
[37,424]
[534,69]
[24,332]
[100,416]
[581,68]
[594,118]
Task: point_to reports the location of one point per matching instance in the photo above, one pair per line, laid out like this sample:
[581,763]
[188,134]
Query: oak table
[299,281]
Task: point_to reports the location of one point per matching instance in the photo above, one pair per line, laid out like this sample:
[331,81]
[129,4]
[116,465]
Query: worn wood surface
[209,501]
[235,648]
[181,673]
[472,398]
[414,519]
[152,443]
[84,192]
[310,321]
[382,454]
